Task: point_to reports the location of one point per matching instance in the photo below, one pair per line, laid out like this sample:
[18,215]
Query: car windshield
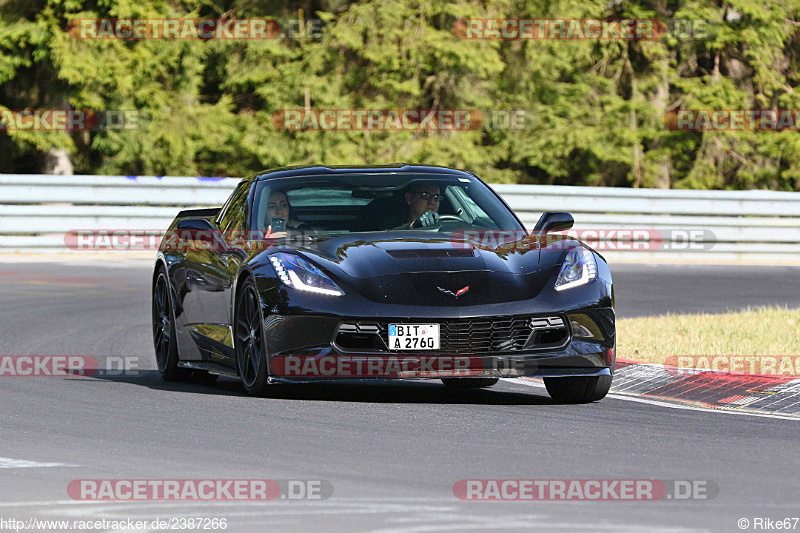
[364,202]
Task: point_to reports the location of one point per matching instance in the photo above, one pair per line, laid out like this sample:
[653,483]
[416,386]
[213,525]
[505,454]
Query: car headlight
[579,268]
[299,274]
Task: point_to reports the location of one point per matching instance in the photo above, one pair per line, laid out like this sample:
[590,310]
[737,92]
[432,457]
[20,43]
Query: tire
[469,383]
[252,362]
[165,341]
[581,389]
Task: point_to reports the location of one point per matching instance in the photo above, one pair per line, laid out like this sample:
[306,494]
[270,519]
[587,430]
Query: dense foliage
[595,108]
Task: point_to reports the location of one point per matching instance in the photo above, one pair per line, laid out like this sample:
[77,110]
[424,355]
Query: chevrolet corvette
[416,271]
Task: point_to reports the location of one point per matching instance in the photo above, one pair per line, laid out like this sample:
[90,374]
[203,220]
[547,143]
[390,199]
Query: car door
[211,271]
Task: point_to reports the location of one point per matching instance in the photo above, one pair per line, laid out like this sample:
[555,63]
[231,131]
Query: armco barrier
[764,226]
[753,226]
[36,210]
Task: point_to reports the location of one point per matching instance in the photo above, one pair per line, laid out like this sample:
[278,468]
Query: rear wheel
[251,348]
[164,338]
[579,389]
[469,383]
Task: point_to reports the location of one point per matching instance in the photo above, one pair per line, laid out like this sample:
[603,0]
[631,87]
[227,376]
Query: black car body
[231,299]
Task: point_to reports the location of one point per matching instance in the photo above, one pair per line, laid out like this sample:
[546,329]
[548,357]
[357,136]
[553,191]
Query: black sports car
[320,273]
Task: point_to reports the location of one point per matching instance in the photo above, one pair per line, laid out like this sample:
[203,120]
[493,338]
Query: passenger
[423,206]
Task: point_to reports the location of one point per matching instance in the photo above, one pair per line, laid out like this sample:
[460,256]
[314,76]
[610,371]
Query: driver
[423,205]
[278,207]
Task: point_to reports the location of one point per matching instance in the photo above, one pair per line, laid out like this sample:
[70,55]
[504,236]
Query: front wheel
[580,389]
[164,339]
[251,347]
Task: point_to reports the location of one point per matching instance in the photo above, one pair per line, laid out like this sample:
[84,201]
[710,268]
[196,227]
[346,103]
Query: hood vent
[428,254]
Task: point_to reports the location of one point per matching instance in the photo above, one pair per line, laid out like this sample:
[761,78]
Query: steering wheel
[433,220]
[428,219]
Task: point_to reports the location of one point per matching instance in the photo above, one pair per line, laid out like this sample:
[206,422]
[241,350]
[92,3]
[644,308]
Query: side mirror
[553,221]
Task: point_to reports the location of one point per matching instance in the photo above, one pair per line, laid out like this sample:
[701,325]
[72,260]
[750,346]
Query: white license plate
[413,336]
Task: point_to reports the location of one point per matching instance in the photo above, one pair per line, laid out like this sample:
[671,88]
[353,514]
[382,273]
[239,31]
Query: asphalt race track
[392,452]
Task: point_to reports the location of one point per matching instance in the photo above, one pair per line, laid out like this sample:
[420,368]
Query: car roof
[319,170]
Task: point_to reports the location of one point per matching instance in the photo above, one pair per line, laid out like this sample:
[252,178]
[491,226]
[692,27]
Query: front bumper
[304,348]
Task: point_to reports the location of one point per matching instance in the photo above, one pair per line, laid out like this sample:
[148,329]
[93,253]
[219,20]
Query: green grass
[762,331]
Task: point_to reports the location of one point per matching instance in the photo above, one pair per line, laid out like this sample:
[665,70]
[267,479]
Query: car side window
[224,208]
[472,211]
[234,216]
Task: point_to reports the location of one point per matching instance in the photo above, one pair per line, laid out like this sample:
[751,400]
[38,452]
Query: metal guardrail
[37,210]
[753,226]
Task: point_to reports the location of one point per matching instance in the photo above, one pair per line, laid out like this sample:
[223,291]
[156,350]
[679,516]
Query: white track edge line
[684,407]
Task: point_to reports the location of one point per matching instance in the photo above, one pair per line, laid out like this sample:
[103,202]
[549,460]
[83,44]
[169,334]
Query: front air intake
[483,335]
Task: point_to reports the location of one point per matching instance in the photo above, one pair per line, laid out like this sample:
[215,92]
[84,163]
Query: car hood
[366,256]
[416,267]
